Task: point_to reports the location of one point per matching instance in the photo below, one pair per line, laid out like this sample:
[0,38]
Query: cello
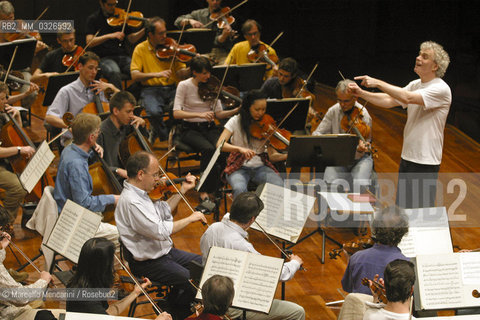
[12,134]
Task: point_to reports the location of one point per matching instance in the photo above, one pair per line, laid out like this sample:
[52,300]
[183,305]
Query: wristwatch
[19,149]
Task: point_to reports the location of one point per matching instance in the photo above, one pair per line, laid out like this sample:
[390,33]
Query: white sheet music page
[428,232]
[341,203]
[37,166]
[74,227]
[285,212]
[255,276]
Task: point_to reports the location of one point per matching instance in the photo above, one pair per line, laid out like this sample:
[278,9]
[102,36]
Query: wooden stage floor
[459,178]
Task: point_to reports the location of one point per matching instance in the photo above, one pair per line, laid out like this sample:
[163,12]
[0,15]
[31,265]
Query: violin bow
[276,245]
[176,47]
[167,153]
[83,51]
[271,44]
[154,305]
[10,65]
[126,18]
[178,191]
[220,87]
[225,13]
[294,107]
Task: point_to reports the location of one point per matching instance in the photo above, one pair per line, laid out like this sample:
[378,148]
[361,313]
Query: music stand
[55,83]
[23,57]
[202,39]
[278,109]
[244,77]
[321,152]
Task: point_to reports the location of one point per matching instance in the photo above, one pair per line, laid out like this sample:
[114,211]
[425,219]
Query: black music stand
[244,77]
[202,39]
[278,109]
[55,83]
[23,57]
[321,152]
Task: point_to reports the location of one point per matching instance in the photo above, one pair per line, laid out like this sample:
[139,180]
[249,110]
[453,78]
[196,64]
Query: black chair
[174,139]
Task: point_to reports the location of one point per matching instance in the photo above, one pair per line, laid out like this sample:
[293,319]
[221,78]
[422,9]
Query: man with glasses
[110,44]
[158,77]
[52,63]
[76,95]
[239,54]
[146,227]
[362,168]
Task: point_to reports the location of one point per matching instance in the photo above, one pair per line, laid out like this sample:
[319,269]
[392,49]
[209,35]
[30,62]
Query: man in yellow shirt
[158,77]
[238,55]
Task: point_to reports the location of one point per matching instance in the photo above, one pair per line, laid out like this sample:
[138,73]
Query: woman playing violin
[239,54]
[347,104]
[249,157]
[198,127]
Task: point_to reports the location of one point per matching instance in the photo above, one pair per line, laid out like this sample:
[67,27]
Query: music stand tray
[55,83]
[244,77]
[24,55]
[278,109]
[322,151]
[202,39]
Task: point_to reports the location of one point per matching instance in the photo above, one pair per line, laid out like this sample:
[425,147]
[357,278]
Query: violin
[183,52]
[352,247]
[377,288]
[133,19]
[230,96]
[12,134]
[15,79]
[263,53]
[8,228]
[267,128]
[224,19]
[71,58]
[360,127]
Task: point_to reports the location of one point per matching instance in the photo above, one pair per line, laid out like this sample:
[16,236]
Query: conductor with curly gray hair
[427,101]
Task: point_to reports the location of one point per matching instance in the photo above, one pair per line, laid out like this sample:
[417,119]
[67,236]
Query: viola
[353,121]
[15,79]
[377,288]
[8,228]
[12,134]
[230,96]
[263,53]
[71,58]
[183,52]
[134,19]
[267,128]
[352,247]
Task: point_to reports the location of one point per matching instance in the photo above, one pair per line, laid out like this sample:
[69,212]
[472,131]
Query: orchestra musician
[146,228]
[157,79]
[361,169]
[388,228]
[76,95]
[251,30]
[109,45]
[17,307]
[52,63]
[231,233]
[97,258]
[427,101]
[198,18]
[398,280]
[198,127]
[116,127]
[14,191]
[74,182]
[217,296]
[249,157]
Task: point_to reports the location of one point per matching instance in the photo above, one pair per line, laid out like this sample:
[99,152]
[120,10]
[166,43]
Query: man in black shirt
[52,63]
[109,44]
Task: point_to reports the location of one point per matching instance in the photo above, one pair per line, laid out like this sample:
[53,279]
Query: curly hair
[441,57]
[389,226]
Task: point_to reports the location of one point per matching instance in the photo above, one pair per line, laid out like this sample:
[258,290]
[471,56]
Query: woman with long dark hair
[249,159]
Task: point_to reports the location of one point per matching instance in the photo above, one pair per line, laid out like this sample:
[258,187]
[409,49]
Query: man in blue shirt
[73,178]
[388,228]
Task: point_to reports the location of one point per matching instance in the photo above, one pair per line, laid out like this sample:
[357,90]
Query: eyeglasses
[252,34]
[155,175]
[111,4]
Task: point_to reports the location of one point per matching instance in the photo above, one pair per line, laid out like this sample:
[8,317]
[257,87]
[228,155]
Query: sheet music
[255,277]
[73,228]
[470,263]
[340,202]
[428,232]
[37,166]
[285,212]
[210,166]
